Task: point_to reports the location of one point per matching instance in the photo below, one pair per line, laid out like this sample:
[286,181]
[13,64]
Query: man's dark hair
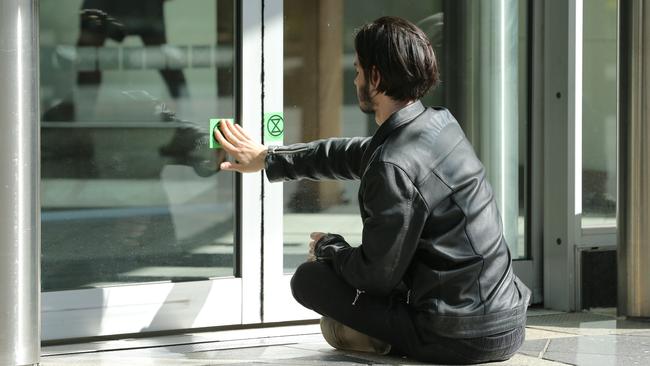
[402,54]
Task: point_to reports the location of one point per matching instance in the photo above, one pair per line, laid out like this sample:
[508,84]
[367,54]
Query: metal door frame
[560,94]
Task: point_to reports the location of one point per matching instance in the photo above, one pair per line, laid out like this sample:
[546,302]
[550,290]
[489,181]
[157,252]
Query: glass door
[483,51]
[139,226]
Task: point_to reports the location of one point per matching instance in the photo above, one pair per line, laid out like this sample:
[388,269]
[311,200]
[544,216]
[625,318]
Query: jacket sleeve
[335,158]
[395,218]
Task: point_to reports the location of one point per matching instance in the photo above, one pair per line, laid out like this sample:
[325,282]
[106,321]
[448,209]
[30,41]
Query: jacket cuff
[272,167]
[329,246]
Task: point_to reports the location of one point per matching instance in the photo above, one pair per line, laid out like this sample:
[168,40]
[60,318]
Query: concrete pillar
[19,184]
[634,160]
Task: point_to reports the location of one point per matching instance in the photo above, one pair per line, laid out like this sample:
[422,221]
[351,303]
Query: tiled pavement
[552,338]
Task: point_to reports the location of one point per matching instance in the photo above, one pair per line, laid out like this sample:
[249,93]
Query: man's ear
[375,78]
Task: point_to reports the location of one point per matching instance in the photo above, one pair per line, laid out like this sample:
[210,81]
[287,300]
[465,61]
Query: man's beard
[365,102]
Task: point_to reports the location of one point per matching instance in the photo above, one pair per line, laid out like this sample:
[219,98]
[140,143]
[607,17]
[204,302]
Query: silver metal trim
[562,149]
[19,184]
[251,184]
[279,304]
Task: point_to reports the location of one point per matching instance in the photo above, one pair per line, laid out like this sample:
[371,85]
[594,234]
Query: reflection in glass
[599,109]
[130,190]
[486,90]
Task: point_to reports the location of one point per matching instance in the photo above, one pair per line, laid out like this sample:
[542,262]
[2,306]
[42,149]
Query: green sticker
[273,127]
[214,123]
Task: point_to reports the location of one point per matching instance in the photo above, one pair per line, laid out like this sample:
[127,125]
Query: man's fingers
[238,131]
[226,165]
[225,128]
[230,149]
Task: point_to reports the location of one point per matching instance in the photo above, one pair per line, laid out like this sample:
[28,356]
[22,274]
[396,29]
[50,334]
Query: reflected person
[432,278]
[117,19]
[101,20]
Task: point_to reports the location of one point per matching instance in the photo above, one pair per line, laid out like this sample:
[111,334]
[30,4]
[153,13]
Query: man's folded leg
[362,322]
[352,320]
[342,337]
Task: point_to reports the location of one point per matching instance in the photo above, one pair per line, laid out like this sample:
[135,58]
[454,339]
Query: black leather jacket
[430,222]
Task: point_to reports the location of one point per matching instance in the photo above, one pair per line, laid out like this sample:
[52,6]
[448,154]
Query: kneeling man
[432,278]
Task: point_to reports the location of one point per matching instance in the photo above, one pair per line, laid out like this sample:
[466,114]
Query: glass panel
[599,110]
[130,189]
[486,90]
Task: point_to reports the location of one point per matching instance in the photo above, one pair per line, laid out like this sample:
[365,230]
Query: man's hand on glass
[249,155]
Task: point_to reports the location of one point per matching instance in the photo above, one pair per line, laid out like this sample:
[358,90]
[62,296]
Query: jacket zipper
[356,297]
[284,151]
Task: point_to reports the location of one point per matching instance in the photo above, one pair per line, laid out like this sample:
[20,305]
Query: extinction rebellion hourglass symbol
[275,125]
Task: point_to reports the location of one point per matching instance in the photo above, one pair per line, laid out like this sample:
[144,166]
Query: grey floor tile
[641,333]
[534,347]
[281,355]
[602,345]
[576,339]
[222,339]
[523,360]
[535,333]
[541,312]
[371,359]
[95,360]
[242,344]
[571,320]
[315,346]
[582,359]
[585,324]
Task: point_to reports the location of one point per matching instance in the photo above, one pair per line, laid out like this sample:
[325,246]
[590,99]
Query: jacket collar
[396,120]
[399,118]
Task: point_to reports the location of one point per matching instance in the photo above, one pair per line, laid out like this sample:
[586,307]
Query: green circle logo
[275,126]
